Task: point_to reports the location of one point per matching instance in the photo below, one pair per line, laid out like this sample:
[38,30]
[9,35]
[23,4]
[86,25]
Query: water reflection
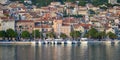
[104,52]
[90,52]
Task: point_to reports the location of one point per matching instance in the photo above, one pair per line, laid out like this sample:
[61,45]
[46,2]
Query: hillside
[40,3]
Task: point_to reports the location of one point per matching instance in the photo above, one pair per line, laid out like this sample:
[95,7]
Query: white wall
[8,24]
[3,1]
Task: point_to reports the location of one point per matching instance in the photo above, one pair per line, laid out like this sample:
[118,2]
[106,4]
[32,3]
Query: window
[20,26]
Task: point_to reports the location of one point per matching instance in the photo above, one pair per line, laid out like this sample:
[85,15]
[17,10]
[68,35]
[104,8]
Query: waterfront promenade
[61,42]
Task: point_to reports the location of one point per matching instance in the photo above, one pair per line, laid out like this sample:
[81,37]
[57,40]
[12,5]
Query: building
[112,1]
[3,1]
[7,23]
[43,28]
[61,28]
[43,24]
[0,24]
[25,25]
[83,28]
[66,29]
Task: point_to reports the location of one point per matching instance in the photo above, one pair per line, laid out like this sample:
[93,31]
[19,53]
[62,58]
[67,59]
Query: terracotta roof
[86,26]
[25,21]
[65,24]
[44,19]
[34,14]
[7,18]
[70,20]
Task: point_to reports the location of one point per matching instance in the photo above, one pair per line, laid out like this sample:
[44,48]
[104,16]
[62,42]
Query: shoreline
[59,42]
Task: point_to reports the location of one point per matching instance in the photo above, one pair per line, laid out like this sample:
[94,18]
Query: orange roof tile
[86,26]
[24,21]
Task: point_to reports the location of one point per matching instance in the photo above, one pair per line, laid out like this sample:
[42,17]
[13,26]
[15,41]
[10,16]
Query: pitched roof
[24,21]
[86,26]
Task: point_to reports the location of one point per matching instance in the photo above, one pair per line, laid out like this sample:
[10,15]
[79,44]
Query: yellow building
[61,28]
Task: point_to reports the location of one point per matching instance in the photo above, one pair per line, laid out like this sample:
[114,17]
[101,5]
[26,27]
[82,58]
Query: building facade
[112,1]
[25,25]
[7,24]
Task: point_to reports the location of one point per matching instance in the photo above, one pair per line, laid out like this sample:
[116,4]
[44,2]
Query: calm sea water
[59,52]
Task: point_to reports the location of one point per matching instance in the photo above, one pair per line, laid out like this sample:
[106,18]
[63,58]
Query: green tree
[109,5]
[37,34]
[118,1]
[104,7]
[11,33]
[90,11]
[86,35]
[63,35]
[40,3]
[92,33]
[25,34]
[82,2]
[99,2]
[75,34]
[3,34]
[102,35]
[111,35]
[51,34]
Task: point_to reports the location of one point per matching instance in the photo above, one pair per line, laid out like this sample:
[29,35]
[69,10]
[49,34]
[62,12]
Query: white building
[8,24]
[3,1]
[112,1]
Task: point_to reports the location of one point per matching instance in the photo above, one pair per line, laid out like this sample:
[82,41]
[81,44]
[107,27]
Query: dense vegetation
[81,2]
[75,34]
[37,34]
[95,34]
[118,1]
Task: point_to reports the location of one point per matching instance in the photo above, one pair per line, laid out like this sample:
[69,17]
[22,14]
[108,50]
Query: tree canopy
[63,35]
[2,34]
[111,35]
[93,33]
[25,34]
[11,33]
[37,34]
[75,34]
[50,34]
[101,35]
[40,3]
